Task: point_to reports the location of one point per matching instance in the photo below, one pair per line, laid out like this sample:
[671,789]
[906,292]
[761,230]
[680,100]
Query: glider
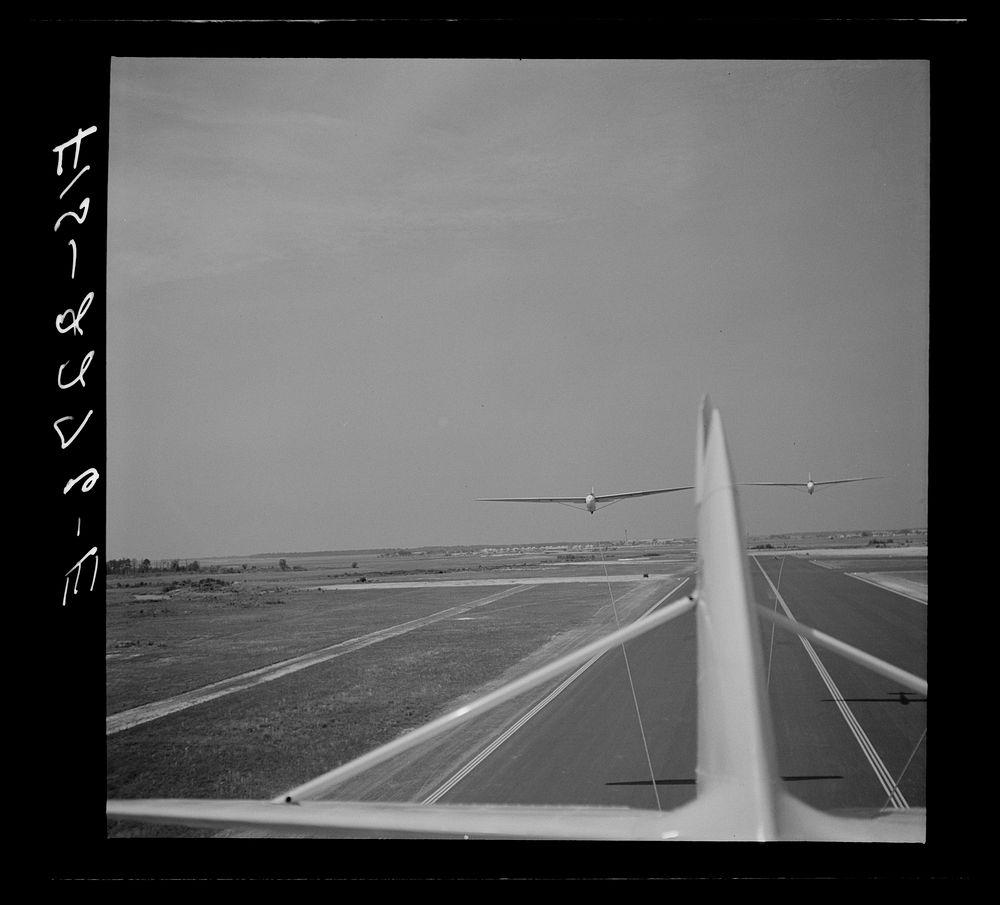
[591,502]
[809,484]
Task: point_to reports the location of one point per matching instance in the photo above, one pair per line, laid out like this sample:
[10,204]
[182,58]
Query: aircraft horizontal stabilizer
[705,819]
[315,817]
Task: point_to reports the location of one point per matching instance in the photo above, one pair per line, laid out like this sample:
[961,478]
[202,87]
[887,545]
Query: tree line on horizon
[127,566]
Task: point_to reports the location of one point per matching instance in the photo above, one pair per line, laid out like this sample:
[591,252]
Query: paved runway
[845,737]
[836,719]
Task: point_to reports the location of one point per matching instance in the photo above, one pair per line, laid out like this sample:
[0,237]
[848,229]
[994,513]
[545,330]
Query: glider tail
[736,752]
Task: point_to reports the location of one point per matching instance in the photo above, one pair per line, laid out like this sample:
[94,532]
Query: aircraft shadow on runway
[896,697]
[691,782]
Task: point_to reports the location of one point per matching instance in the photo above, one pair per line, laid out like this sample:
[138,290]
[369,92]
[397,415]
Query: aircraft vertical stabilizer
[736,756]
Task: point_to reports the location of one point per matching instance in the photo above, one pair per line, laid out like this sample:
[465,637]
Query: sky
[347,297]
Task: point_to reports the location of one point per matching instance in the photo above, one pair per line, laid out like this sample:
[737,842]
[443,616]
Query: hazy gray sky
[348,297]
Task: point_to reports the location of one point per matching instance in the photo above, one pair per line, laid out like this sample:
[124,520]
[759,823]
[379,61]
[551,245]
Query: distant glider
[591,502]
[809,484]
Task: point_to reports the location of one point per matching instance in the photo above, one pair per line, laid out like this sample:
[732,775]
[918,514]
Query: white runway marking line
[145,713]
[886,586]
[488,582]
[867,748]
[497,742]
